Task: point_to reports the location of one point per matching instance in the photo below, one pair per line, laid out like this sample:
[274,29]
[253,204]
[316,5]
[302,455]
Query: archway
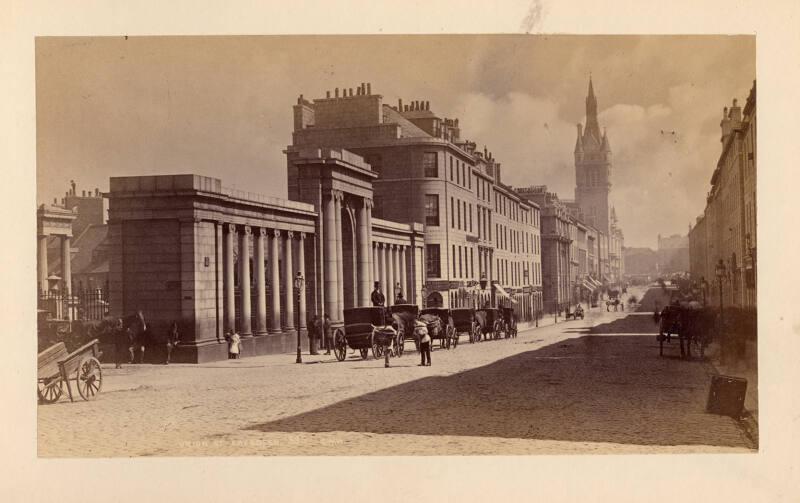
[349,266]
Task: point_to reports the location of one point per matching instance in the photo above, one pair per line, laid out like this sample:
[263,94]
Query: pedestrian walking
[377,296]
[173,338]
[314,329]
[137,340]
[121,343]
[327,333]
[421,330]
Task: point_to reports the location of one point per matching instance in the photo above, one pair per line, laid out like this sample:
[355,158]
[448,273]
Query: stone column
[260,279]
[340,256]
[288,281]
[244,281]
[42,264]
[227,281]
[404,274]
[381,253]
[376,275]
[301,268]
[373,276]
[331,258]
[390,265]
[274,283]
[66,265]
[364,255]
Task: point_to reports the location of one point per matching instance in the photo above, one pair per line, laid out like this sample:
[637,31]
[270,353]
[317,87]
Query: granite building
[725,234]
[475,226]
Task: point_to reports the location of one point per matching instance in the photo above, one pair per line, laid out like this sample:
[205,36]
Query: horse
[404,321]
[134,327]
[482,318]
[691,325]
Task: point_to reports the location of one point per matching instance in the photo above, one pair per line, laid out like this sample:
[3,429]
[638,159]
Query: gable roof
[407,128]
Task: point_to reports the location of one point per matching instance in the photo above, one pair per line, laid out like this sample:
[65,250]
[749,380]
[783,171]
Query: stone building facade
[184,248]
[425,172]
[726,232]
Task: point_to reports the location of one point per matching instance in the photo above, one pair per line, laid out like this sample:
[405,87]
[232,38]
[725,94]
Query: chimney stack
[327,94]
[97,192]
[369,88]
[400,104]
[427,105]
[351,92]
[83,193]
[336,90]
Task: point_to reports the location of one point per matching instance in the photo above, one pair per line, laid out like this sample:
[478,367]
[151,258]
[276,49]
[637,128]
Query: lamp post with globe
[299,283]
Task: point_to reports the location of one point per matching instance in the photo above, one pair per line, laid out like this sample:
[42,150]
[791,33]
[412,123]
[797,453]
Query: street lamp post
[299,282]
[720,271]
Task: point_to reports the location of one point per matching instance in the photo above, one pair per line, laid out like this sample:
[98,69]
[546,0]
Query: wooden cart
[57,366]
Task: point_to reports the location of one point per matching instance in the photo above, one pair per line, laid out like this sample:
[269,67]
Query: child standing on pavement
[424,343]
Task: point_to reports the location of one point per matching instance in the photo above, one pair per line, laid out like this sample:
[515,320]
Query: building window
[458,172]
[471,263]
[430,164]
[451,168]
[452,213]
[453,258]
[431,209]
[432,262]
[470,217]
[460,270]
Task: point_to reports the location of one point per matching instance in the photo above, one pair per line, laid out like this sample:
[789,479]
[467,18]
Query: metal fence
[87,305]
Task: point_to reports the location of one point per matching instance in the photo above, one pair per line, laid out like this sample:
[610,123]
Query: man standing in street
[327,334]
[377,298]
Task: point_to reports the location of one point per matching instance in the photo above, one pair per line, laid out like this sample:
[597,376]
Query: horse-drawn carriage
[509,322]
[577,313]
[365,329]
[690,322]
[490,323]
[464,323]
[440,326]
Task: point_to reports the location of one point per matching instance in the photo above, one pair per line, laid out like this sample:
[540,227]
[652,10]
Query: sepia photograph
[396,245]
[400,251]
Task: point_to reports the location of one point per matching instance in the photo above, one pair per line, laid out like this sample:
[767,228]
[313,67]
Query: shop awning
[503,293]
[588,286]
[594,282]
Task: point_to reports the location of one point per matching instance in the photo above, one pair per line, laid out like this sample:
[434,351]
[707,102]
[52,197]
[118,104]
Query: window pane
[430,164]
[431,209]
[432,263]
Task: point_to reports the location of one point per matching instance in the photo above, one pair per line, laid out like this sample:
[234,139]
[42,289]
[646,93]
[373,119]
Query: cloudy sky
[221,106]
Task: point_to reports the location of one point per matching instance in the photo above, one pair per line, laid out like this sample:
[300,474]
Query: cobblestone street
[588,386]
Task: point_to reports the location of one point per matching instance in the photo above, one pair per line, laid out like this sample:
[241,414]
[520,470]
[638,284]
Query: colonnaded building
[376,193]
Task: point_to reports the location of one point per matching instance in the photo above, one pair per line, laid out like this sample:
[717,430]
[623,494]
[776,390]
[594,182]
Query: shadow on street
[592,388]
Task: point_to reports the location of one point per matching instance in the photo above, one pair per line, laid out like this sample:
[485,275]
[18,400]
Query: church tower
[593,168]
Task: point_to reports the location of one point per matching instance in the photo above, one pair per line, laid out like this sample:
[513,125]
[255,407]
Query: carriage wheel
[399,347]
[339,345]
[364,353]
[49,392]
[377,350]
[452,336]
[89,378]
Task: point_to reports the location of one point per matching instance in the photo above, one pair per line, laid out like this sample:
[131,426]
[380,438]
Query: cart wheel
[364,353]
[89,378]
[49,392]
[377,350]
[399,347]
[339,345]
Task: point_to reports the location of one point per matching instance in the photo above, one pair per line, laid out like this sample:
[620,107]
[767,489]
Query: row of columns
[270,239]
[66,266]
[390,267]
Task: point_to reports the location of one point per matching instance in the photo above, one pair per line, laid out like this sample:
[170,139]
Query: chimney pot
[327,94]
[83,193]
[427,105]
[400,104]
[55,201]
[351,92]
[336,90]
[369,88]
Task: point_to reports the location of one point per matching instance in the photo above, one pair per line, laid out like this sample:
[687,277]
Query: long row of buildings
[722,243]
[383,193]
